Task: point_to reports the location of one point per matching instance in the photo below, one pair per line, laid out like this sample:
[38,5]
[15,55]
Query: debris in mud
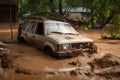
[31,72]
[108,67]
[4,50]
[106,61]
[10,41]
[51,72]
[110,72]
[3,44]
[75,63]
[88,74]
[24,71]
[27,71]
[73,72]
[6,61]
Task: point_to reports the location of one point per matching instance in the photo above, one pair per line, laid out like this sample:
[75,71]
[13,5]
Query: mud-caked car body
[55,37]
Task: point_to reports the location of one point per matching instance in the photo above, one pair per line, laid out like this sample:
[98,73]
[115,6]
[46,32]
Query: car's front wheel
[48,50]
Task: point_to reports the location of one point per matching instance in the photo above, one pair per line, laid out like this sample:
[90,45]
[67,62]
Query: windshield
[63,28]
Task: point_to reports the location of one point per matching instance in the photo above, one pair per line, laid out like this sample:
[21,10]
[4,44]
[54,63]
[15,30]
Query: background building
[8,11]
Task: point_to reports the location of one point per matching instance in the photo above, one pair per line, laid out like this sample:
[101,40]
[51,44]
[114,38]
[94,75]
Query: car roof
[44,20]
[54,21]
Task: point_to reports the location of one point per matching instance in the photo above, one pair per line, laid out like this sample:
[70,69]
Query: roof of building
[78,9]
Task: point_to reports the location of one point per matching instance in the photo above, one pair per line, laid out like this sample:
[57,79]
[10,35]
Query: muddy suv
[55,37]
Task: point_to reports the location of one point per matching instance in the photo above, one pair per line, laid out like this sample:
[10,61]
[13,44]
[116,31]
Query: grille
[76,45]
[80,45]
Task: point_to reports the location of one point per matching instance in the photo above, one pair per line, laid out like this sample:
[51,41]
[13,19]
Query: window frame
[32,27]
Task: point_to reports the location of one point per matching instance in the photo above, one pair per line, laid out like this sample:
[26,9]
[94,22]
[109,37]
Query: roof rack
[35,17]
[42,18]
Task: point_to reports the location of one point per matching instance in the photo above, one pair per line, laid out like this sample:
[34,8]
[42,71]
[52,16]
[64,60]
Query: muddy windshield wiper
[64,33]
[71,33]
[57,32]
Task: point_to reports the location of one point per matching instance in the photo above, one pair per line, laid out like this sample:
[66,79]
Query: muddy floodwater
[32,64]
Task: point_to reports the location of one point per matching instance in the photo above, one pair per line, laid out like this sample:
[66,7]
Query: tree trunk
[107,20]
[60,7]
[52,7]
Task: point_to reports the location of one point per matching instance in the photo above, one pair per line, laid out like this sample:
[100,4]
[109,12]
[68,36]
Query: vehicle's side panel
[23,29]
[29,32]
[38,38]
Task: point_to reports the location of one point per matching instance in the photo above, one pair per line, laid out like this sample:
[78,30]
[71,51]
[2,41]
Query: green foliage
[35,6]
[73,3]
[39,6]
[104,34]
[111,31]
[102,11]
[115,31]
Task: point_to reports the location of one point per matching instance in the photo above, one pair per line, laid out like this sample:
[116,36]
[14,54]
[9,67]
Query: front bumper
[68,53]
[76,52]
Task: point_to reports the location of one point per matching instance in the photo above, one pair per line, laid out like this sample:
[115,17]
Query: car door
[30,32]
[39,35]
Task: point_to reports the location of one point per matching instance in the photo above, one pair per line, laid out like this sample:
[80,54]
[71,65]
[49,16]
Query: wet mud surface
[86,67]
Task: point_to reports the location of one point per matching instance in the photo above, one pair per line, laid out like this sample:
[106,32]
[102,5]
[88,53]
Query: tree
[102,11]
[69,4]
[52,7]
[60,7]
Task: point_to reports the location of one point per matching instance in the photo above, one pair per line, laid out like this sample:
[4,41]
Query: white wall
[77,16]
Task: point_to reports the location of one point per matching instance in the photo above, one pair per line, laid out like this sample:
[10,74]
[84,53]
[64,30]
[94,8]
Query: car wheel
[48,50]
[21,39]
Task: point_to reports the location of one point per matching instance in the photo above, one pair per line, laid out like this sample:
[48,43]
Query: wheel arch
[49,45]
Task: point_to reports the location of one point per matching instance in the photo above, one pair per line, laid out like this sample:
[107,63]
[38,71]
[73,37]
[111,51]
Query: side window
[32,27]
[24,25]
[40,29]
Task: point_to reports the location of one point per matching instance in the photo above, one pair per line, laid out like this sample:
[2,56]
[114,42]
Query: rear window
[31,27]
[24,25]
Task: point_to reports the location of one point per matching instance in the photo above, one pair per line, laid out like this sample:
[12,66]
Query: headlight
[65,46]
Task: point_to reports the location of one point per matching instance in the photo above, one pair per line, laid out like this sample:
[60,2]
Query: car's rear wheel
[21,39]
